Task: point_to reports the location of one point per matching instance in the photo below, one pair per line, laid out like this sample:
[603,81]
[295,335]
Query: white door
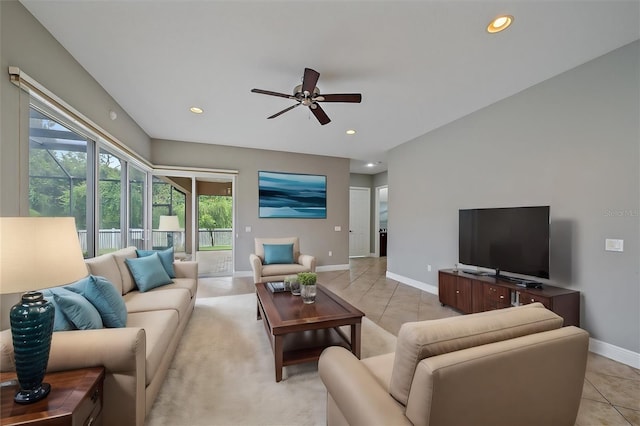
[359,220]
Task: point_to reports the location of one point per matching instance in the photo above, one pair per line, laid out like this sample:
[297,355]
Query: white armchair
[264,271]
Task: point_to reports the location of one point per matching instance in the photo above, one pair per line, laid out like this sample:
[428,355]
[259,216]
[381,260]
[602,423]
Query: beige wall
[317,236]
[571,142]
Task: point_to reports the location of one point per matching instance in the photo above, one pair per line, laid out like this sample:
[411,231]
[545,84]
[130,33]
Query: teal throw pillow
[104,297]
[60,321]
[278,253]
[166,257]
[148,272]
[78,310]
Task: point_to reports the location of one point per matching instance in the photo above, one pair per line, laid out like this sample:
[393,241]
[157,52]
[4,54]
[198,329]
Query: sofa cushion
[148,272]
[104,297]
[423,339]
[105,266]
[120,256]
[177,299]
[188,284]
[75,308]
[278,253]
[159,327]
[381,367]
[283,269]
[166,257]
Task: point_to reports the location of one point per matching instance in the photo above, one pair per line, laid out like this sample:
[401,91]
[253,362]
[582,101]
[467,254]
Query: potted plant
[307,282]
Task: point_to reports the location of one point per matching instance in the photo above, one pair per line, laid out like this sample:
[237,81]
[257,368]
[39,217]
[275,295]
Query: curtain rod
[23,81]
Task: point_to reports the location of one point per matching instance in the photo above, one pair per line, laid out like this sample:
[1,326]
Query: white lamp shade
[169,224]
[39,252]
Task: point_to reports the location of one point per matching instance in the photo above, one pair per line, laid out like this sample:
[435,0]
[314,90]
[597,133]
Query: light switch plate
[337,228]
[613,245]
[247,229]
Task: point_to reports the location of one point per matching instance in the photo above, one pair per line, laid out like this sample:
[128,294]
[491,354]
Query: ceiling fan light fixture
[196,110]
[500,23]
[350,132]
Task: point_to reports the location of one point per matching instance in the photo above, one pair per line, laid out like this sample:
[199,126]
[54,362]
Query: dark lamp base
[32,395]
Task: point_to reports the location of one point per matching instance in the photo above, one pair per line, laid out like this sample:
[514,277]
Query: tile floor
[611,394]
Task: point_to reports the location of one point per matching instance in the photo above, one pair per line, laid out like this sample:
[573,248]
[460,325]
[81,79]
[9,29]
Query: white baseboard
[413,283]
[615,353]
[325,268]
[608,350]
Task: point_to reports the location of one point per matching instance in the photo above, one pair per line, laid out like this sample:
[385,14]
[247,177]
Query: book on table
[276,286]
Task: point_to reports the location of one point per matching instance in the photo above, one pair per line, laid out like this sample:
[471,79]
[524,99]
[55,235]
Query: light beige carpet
[223,372]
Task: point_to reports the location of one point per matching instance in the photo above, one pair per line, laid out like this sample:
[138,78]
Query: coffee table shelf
[298,332]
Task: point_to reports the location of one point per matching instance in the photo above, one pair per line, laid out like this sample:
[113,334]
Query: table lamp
[169,224]
[36,253]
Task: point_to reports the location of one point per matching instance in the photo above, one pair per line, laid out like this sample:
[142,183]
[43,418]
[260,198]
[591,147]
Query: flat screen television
[510,239]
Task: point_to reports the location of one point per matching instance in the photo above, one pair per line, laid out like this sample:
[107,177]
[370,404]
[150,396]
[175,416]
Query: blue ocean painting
[288,195]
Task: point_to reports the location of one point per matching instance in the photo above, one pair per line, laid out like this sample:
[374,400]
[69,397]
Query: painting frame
[284,195]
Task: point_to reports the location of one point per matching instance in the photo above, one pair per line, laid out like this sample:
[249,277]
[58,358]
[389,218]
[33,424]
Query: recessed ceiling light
[351,132]
[196,110]
[500,23]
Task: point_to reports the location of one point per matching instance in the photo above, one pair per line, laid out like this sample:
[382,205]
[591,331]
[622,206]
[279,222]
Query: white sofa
[136,358]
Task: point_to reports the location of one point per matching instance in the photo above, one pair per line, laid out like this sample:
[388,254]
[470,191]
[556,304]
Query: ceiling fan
[308,94]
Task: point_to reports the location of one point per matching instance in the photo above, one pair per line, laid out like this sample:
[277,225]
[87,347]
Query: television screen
[512,239]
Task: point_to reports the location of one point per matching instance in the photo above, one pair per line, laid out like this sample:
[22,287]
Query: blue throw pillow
[104,297]
[278,253]
[148,272]
[78,310]
[60,321]
[166,257]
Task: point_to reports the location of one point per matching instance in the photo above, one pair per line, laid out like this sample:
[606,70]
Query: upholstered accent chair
[275,258]
[513,366]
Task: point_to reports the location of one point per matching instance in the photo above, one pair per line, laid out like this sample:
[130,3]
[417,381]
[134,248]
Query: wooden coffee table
[299,332]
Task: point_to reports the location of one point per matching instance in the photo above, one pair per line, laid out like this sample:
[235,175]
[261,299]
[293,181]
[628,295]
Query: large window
[76,171]
[110,190]
[74,175]
[167,201]
[137,203]
[58,173]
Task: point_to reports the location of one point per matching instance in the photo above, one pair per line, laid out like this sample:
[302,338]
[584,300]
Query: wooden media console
[476,293]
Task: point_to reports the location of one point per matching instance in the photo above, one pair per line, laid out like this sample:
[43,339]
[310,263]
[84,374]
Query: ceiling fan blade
[268,92]
[309,80]
[284,110]
[322,116]
[342,97]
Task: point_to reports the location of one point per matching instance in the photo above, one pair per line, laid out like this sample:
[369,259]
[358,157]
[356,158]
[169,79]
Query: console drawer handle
[94,396]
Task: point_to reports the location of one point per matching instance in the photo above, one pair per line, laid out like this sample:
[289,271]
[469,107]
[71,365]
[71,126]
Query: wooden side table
[75,399]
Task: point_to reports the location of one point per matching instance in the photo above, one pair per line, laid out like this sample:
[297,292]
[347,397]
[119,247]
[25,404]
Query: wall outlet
[247,229]
[330,253]
[613,245]
[428,268]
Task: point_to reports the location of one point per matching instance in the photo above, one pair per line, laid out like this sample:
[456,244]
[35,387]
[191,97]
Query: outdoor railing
[111,239]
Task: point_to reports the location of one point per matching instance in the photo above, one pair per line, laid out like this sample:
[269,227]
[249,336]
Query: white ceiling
[418,64]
